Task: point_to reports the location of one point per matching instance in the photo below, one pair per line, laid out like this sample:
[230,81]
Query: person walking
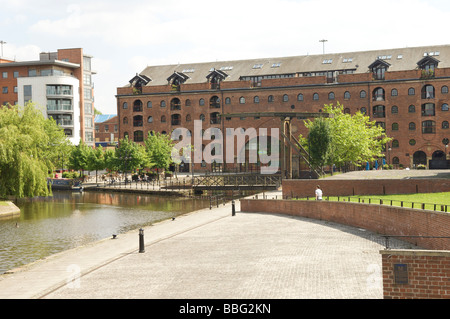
[319,193]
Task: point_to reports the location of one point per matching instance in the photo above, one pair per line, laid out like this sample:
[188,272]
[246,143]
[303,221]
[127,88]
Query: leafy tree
[78,159]
[319,142]
[129,156]
[96,161]
[29,145]
[159,150]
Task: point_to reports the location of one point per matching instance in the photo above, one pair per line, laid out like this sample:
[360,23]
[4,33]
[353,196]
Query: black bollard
[233,210]
[141,241]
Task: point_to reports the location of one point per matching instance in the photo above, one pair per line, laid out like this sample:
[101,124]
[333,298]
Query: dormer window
[379,68]
[138,81]
[176,79]
[428,65]
[215,77]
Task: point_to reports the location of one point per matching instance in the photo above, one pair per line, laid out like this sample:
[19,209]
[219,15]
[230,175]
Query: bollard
[141,241]
[233,210]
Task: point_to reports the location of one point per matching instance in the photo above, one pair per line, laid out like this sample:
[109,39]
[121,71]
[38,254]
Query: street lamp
[389,154]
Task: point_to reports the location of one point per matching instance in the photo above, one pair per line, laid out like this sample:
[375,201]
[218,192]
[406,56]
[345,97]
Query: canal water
[70,219]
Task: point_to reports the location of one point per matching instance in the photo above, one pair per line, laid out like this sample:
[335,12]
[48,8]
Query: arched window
[188,102]
[137,106]
[411,91]
[412,126]
[201,102]
[227,100]
[378,94]
[242,100]
[362,94]
[125,105]
[149,104]
[175,104]
[256,99]
[285,98]
[347,95]
[395,161]
[214,102]
[395,126]
[395,144]
[270,98]
[316,97]
[444,107]
[394,109]
[150,119]
[444,89]
[411,109]
[138,136]
[394,92]
[163,103]
[331,96]
[445,125]
[202,117]
[300,97]
[428,92]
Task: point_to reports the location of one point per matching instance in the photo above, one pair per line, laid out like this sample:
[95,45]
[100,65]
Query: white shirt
[318,193]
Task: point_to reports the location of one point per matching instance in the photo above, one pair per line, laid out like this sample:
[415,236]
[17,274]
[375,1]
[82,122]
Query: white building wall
[39,97]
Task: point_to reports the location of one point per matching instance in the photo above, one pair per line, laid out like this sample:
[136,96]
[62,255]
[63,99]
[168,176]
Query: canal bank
[210,254]
[8,209]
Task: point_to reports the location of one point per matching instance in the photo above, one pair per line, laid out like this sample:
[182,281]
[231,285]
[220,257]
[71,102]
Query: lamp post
[389,154]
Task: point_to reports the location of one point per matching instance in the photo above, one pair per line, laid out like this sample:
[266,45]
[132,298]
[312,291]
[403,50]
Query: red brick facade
[399,101]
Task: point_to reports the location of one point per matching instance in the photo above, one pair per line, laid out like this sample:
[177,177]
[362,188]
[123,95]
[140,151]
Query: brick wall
[413,274]
[381,219]
[303,188]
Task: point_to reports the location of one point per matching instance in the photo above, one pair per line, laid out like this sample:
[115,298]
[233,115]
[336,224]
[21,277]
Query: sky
[125,37]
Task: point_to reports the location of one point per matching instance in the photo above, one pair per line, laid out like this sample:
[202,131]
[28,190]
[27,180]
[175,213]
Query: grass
[407,200]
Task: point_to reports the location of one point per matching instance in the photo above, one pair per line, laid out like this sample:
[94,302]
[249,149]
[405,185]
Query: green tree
[29,146]
[129,156]
[319,142]
[78,159]
[96,161]
[159,150]
[354,138]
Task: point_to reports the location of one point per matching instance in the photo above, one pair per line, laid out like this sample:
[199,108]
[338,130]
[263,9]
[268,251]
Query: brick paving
[211,254]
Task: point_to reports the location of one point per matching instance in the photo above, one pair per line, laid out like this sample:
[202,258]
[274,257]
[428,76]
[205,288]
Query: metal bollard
[233,210]
[141,241]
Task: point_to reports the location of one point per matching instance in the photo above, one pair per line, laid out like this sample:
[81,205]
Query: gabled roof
[217,73]
[379,62]
[139,80]
[427,60]
[177,75]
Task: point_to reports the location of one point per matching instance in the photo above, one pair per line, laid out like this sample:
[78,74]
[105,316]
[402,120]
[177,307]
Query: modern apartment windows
[4,89]
[5,75]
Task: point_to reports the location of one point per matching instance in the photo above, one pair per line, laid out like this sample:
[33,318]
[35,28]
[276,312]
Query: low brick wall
[333,187]
[381,219]
[416,274]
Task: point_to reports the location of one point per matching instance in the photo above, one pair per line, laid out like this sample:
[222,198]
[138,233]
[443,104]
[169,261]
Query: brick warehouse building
[404,90]
[61,83]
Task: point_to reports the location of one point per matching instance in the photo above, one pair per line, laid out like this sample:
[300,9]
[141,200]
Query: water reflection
[69,219]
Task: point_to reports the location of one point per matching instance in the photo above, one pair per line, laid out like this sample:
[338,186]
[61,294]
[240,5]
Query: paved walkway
[211,254]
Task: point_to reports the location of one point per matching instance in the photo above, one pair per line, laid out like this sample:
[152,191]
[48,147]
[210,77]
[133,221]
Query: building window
[315,97]
[256,99]
[428,127]
[395,126]
[5,75]
[445,125]
[428,92]
[106,128]
[16,74]
[175,119]
[285,98]
[202,117]
[411,109]
[270,98]
[395,144]
[149,104]
[5,90]
[138,121]
[395,161]
[227,101]
[97,128]
[378,94]
[162,104]
[214,102]
[331,96]
[394,109]
[150,119]
[444,89]
[411,91]
[412,126]
[363,110]
[188,102]
[137,106]
[347,95]
[138,136]
[444,107]
[394,92]
[300,97]
[346,110]
[125,105]
[379,111]
[412,142]
[362,94]
[175,104]
[201,102]
[428,109]
[242,100]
